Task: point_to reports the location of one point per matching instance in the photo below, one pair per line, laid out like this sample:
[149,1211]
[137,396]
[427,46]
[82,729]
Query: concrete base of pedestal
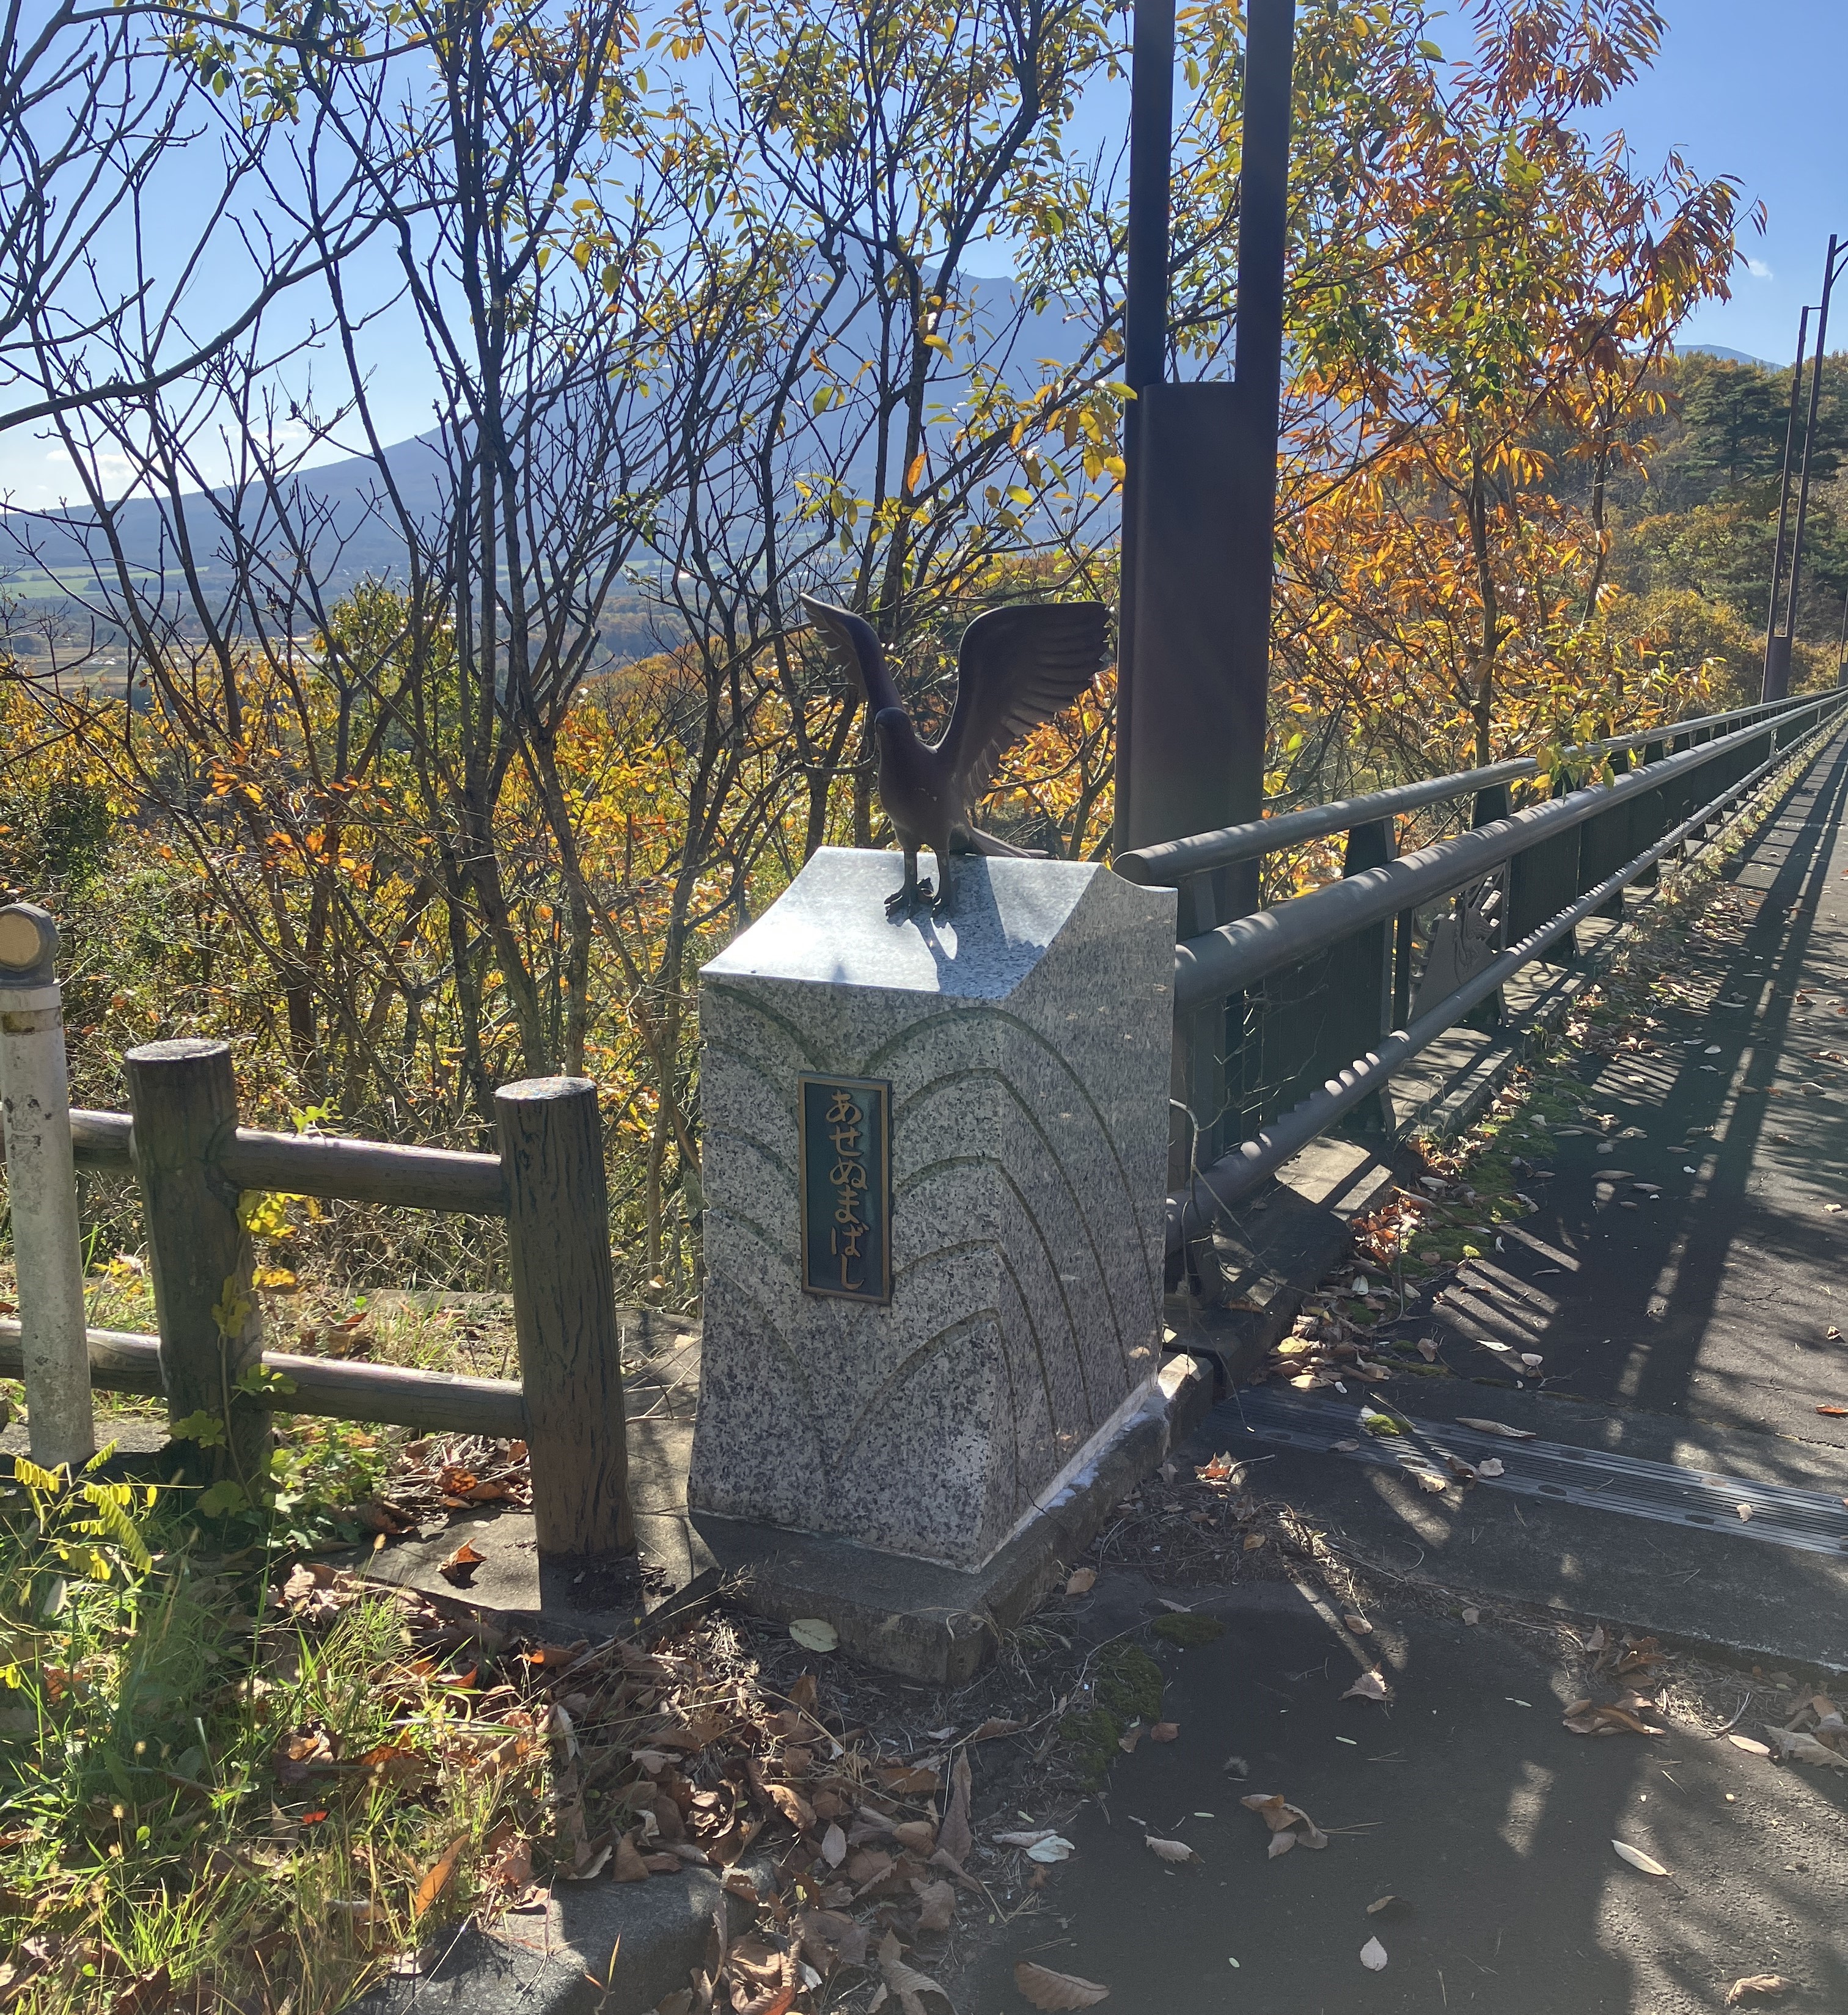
[941,1624]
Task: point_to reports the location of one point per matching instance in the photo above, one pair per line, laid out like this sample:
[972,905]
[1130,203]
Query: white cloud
[1759,270]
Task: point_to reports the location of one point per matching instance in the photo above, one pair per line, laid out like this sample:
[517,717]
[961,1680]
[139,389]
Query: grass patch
[215,1799]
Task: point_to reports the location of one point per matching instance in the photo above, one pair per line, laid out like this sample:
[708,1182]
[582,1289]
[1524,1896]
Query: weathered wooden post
[42,1183]
[184,1099]
[564,1314]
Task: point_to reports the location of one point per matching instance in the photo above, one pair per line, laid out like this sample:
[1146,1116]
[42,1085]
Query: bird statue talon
[907,901]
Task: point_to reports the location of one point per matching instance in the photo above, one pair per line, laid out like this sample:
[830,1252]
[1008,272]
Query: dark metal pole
[1773,685]
[1257,338]
[1802,488]
[1203,486]
[1144,323]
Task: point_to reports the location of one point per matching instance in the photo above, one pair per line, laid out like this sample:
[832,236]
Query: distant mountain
[1726,356]
[43,554]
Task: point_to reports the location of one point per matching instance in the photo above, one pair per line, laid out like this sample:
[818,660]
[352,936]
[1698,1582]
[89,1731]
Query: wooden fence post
[564,1314]
[184,1099]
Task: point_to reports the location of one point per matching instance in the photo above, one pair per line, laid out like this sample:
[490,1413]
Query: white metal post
[41,1188]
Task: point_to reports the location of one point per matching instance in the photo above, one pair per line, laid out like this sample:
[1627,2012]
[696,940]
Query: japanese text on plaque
[846,1204]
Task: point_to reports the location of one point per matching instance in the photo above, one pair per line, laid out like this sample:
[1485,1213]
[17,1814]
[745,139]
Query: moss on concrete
[1126,1686]
[1189,1630]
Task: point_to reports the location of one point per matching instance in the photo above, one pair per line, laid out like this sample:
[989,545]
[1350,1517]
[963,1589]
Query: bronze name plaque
[846,1186]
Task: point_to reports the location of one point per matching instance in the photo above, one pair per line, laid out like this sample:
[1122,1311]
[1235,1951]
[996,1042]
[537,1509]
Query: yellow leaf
[916,470]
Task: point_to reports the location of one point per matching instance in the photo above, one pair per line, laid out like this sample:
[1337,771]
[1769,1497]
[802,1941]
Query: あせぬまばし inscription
[846,1187]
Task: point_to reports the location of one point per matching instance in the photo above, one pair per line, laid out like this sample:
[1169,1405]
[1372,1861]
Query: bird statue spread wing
[1017,667]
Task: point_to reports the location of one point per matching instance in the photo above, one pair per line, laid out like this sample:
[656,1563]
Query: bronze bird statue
[1016,667]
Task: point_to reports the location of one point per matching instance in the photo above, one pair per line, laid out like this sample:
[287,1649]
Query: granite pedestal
[1025,1043]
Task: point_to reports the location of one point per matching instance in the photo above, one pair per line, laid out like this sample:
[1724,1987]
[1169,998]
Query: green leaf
[205,1428]
[225,1496]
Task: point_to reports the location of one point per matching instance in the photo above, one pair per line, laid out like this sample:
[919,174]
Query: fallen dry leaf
[1287,1822]
[992,1728]
[814,1634]
[906,1982]
[955,1837]
[1637,1858]
[1359,1626]
[1082,1582]
[1750,1743]
[513,1867]
[936,1905]
[1253,1541]
[1370,1686]
[1584,1718]
[795,1808]
[1164,1731]
[1343,1448]
[435,1879]
[834,1847]
[460,1568]
[1492,1466]
[1045,1989]
[1436,1484]
[1127,1741]
[1382,1903]
[825,1934]
[628,1866]
[1744,1510]
[1495,1428]
[1758,1986]
[1796,1746]
[1169,1850]
[1472,1613]
[1373,1955]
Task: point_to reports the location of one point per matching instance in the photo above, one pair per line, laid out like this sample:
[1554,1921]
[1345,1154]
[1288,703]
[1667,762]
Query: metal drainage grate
[1810,1520]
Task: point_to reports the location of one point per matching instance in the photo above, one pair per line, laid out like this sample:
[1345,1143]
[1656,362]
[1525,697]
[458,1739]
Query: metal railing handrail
[1170,864]
[1237,954]
[1763,709]
[1252,1161]
[1240,955]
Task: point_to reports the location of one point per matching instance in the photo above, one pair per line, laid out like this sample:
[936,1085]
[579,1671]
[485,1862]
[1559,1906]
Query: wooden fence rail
[182,1141]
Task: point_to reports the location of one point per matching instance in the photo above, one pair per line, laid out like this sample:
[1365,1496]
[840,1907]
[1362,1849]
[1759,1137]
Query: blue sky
[1750,89]
[1754,88]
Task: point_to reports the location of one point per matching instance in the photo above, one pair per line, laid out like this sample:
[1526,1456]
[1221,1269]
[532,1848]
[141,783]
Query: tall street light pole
[1777,656]
[1200,484]
[1803,487]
